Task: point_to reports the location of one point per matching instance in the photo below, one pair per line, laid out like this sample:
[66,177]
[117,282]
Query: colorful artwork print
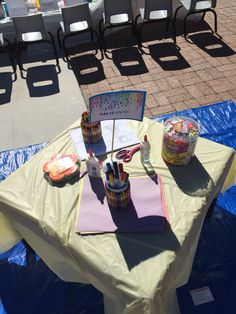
[117,105]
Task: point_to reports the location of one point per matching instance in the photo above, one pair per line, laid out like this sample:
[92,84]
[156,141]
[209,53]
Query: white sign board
[117,105]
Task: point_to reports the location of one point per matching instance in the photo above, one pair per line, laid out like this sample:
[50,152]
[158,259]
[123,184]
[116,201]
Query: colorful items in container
[117,184]
[92,132]
[179,140]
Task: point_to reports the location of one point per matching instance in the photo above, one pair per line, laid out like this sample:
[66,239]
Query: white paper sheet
[201,296]
[124,137]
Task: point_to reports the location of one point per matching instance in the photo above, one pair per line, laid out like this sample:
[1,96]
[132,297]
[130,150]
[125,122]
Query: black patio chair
[76,20]
[6,47]
[197,7]
[30,30]
[117,13]
[154,11]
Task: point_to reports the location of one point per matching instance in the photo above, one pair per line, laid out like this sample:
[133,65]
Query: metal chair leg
[174,32]
[203,16]
[64,49]
[59,37]
[54,49]
[215,16]
[99,42]
[18,58]
[11,55]
[12,62]
[176,12]
[104,42]
[185,24]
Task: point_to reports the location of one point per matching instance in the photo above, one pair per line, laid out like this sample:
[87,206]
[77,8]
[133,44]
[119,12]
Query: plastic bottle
[145,149]
[37,4]
[93,166]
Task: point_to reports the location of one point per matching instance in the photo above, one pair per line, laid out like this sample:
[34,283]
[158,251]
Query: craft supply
[179,140]
[127,154]
[91,132]
[121,169]
[118,197]
[145,149]
[107,164]
[93,165]
[113,170]
[111,181]
[117,183]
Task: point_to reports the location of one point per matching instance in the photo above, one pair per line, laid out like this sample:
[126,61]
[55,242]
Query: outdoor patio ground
[200,73]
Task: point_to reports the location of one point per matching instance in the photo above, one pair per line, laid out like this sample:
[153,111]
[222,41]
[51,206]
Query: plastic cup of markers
[179,140]
[118,197]
[109,161]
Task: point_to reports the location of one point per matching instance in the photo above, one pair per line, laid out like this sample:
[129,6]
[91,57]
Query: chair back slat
[156,5]
[29,24]
[113,7]
[194,4]
[77,13]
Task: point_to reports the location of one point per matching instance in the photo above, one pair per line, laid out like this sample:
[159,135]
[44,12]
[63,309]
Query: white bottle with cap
[145,149]
[93,166]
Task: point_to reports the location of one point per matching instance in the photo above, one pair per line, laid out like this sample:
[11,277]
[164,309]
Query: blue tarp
[28,286]
[214,264]
[10,160]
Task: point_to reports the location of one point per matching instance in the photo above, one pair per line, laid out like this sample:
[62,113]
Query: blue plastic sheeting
[227,200]
[10,160]
[214,266]
[217,121]
[28,286]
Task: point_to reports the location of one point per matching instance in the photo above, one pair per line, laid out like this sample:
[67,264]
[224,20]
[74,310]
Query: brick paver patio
[200,73]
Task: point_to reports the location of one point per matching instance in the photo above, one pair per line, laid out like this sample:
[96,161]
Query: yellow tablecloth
[138,273]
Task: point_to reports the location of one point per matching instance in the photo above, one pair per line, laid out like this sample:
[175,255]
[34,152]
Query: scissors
[127,154]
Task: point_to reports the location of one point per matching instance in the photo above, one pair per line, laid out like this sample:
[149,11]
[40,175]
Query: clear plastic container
[179,140]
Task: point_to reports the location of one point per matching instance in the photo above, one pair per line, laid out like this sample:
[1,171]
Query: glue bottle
[93,166]
[145,151]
